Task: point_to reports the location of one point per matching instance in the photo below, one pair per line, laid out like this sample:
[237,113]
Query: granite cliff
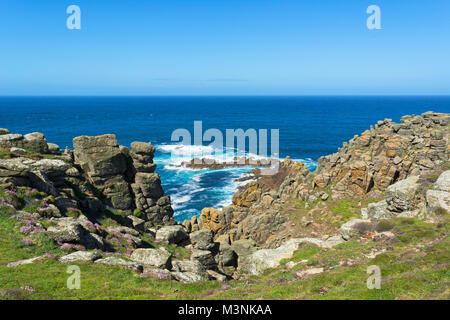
[362,169]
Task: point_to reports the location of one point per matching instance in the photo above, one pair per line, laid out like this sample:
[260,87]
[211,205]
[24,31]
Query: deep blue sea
[309,127]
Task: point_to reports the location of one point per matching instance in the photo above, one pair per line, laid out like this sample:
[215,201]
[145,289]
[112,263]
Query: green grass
[414,265]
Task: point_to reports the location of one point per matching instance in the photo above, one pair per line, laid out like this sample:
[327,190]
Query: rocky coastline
[105,202]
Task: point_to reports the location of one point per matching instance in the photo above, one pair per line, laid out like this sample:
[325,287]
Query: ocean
[309,127]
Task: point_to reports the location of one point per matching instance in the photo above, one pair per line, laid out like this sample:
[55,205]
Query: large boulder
[17,167]
[226,258]
[244,248]
[153,257]
[35,142]
[66,230]
[438,198]
[99,156]
[101,159]
[11,140]
[443,182]
[378,210]
[202,239]
[401,195]
[4,131]
[53,148]
[188,266]
[172,234]
[188,277]
[205,258]
[263,259]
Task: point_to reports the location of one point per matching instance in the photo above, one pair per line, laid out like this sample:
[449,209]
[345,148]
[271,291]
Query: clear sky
[224,47]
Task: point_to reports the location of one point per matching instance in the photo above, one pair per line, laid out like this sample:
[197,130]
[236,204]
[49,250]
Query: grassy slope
[413,266]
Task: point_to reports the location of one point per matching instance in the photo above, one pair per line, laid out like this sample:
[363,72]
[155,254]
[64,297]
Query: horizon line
[224,95]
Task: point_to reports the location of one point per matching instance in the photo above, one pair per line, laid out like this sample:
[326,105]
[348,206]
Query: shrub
[137,213]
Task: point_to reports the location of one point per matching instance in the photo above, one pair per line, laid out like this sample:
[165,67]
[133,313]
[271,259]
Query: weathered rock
[25,261]
[4,131]
[18,152]
[93,241]
[35,142]
[99,156]
[81,256]
[217,276]
[214,220]
[356,228]
[11,140]
[401,195]
[149,184]
[119,262]
[225,257]
[172,234]
[263,259]
[66,230]
[137,223]
[438,198]
[154,257]
[205,258]
[202,239]
[143,148]
[378,210]
[188,266]
[188,277]
[152,272]
[374,160]
[443,182]
[17,167]
[244,248]
[53,148]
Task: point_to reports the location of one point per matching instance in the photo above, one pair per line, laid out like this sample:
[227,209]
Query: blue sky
[224,47]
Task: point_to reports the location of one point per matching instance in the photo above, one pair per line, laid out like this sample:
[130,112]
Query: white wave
[181,149]
[179,201]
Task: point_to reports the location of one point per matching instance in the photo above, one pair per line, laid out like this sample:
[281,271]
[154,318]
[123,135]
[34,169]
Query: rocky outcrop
[81,256]
[378,158]
[101,179]
[33,142]
[108,175]
[172,234]
[153,257]
[263,259]
[402,199]
[438,197]
[126,177]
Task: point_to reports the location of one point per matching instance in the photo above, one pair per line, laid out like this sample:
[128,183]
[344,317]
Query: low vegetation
[413,261]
